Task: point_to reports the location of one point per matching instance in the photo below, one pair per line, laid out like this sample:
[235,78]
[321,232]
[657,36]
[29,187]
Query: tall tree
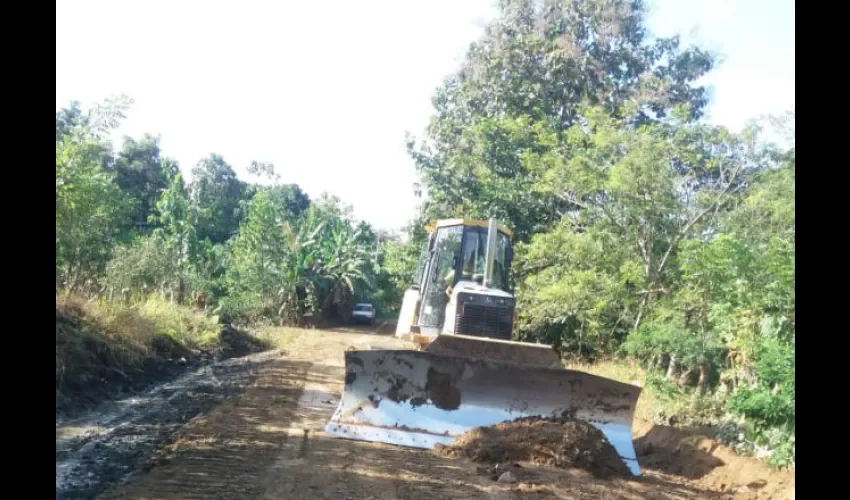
[640,194]
[177,221]
[217,194]
[143,174]
[69,119]
[260,250]
[74,124]
[89,204]
[290,198]
[536,66]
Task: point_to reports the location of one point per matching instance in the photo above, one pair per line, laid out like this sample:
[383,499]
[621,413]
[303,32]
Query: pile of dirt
[559,442]
[692,456]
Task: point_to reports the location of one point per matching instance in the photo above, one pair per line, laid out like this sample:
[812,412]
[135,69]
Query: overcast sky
[326,90]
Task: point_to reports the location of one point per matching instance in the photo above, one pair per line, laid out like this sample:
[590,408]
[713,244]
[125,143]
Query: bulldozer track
[224,454]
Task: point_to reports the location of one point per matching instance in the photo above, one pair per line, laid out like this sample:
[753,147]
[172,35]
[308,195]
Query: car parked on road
[363,313]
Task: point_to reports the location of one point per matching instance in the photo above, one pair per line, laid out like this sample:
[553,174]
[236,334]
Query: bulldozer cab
[457,251]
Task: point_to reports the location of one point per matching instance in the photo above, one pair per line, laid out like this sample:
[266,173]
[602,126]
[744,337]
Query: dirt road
[267,442]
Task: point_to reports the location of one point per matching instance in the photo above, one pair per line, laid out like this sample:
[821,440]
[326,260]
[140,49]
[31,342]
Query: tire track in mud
[268,442]
[238,449]
[225,453]
[117,439]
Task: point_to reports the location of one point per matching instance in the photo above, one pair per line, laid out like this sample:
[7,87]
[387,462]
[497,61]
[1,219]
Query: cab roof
[466,222]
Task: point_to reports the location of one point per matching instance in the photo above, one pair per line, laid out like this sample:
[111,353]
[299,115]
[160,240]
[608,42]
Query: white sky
[326,90]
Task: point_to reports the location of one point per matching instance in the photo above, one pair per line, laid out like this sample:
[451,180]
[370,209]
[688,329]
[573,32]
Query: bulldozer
[466,371]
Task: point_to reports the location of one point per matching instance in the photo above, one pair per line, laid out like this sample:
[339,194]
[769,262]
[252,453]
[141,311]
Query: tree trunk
[644,305]
[671,367]
[181,291]
[683,378]
[703,378]
[579,340]
[639,316]
[658,364]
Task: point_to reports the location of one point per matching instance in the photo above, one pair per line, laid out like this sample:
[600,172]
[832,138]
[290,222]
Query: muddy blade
[524,353]
[418,399]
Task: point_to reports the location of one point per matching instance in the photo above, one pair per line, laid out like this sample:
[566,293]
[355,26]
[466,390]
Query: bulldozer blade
[524,353]
[419,399]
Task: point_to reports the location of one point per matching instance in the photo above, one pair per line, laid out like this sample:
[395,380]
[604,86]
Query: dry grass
[279,336]
[104,348]
[140,323]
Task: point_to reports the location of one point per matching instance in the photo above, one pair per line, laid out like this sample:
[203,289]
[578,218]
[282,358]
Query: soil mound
[559,442]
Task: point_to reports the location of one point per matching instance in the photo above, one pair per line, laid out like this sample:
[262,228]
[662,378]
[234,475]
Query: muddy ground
[252,428]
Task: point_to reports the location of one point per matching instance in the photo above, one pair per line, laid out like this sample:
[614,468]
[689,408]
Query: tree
[333,206]
[638,193]
[89,204]
[290,198]
[69,119]
[315,264]
[143,174]
[177,221]
[345,262]
[217,194]
[259,253]
[525,83]
[399,261]
[575,290]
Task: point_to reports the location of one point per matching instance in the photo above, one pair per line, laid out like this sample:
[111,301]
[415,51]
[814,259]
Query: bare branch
[569,198]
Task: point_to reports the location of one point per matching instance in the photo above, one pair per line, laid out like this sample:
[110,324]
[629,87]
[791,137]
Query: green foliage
[259,281]
[683,405]
[142,267]
[501,117]
[770,400]
[398,263]
[89,205]
[143,174]
[576,310]
[760,403]
[345,264]
[782,443]
[656,340]
[287,267]
[217,194]
[638,196]
[290,198]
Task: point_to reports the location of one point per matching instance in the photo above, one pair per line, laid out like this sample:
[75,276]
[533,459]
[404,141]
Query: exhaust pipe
[492,231]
